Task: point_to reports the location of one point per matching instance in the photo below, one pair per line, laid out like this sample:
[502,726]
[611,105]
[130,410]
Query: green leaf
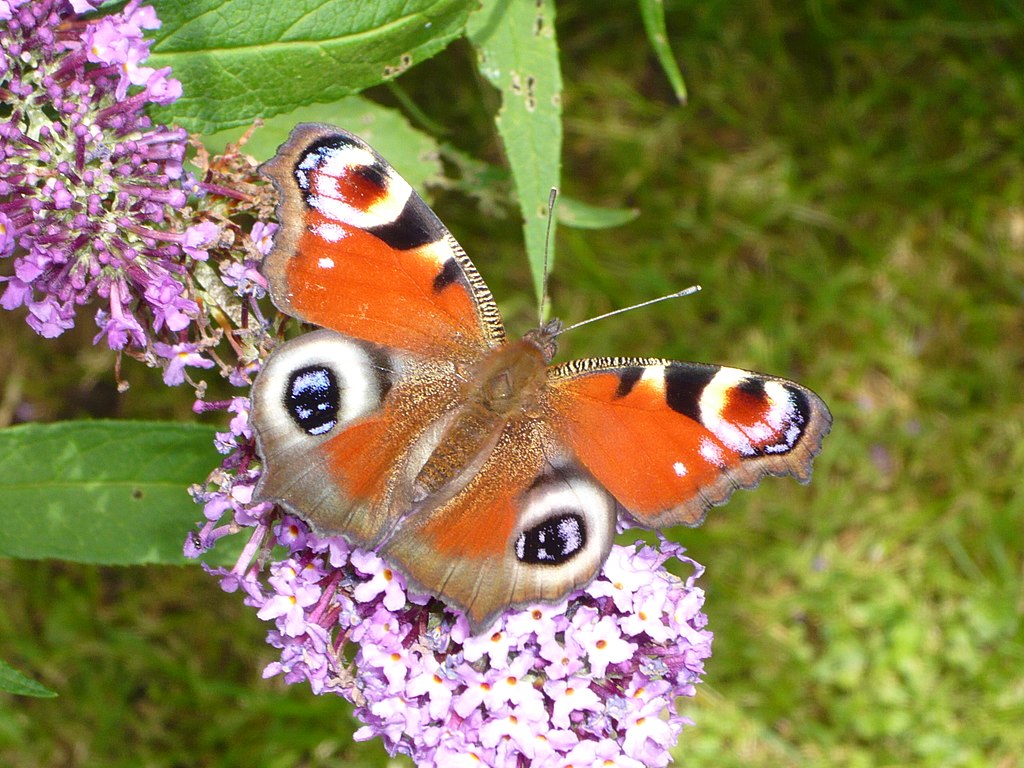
[105,492]
[12,681]
[653,14]
[579,215]
[242,59]
[517,52]
[414,154]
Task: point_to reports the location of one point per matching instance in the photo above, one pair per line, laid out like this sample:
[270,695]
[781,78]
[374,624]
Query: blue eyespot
[553,542]
[313,399]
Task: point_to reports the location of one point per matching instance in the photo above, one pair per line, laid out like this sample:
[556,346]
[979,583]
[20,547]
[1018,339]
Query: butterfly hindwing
[347,429]
[670,439]
[342,426]
[361,253]
[531,525]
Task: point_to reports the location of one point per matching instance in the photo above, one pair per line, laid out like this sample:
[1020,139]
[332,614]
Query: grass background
[846,183]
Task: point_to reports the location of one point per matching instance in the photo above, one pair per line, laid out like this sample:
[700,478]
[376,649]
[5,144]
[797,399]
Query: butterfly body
[506,385]
[410,425]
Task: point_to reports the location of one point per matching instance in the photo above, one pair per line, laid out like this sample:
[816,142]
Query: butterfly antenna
[552,197]
[678,294]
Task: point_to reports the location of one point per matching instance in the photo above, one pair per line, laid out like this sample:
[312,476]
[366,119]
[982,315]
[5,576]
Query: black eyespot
[554,541]
[313,399]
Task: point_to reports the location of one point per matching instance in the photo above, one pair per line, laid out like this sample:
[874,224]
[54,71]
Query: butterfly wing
[361,253]
[669,439]
[660,440]
[341,415]
[532,524]
[343,427]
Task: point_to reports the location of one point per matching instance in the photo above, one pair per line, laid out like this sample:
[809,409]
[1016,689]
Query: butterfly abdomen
[505,385]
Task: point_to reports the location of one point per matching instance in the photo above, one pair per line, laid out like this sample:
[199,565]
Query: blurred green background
[847,184]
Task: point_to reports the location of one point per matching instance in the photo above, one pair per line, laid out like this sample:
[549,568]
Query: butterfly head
[545,338]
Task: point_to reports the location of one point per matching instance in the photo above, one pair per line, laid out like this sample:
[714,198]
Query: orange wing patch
[478,525]
[651,458]
[362,287]
[372,461]
[360,458]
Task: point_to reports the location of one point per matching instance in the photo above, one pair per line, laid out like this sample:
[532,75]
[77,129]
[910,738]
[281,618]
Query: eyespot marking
[554,541]
[313,399]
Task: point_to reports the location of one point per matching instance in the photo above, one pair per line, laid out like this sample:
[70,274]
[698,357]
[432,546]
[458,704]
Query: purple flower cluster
[87,182]
[93,205]
[590,681]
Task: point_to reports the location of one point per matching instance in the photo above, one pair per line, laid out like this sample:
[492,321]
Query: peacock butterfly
[409,424]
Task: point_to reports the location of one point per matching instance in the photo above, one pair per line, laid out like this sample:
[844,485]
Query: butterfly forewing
[361,253]
[671,439]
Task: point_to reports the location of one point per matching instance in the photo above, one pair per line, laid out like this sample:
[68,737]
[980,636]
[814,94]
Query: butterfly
[411,425]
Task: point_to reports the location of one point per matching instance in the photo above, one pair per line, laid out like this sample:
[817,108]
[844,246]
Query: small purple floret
[87,219]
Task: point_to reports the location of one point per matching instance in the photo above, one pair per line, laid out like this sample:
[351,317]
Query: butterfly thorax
[506,384]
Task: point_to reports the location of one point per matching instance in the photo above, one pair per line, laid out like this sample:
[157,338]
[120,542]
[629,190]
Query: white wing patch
[335,163]
[439,252]
[712,453]
[332,233]
[780,418]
